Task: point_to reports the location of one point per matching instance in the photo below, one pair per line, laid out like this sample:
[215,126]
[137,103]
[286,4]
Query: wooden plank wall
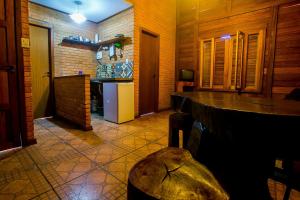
[280,19]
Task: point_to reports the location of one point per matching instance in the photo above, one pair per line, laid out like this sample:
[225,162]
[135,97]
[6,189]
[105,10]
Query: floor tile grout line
[45,193]
[104,169]
[45,177]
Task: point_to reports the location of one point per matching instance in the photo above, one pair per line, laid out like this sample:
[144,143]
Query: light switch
[25,43]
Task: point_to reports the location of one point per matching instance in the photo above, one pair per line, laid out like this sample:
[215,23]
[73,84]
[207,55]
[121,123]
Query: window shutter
[206,63]
[236,61]
[253,65]
[219,63]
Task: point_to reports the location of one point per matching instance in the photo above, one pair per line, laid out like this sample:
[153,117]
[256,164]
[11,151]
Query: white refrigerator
[118,101]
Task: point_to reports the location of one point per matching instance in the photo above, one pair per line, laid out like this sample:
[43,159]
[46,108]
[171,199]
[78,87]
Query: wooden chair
[180,120]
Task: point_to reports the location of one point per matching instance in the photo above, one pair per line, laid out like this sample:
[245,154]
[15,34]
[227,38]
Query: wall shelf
[79,44]
[112,41]
[91,46]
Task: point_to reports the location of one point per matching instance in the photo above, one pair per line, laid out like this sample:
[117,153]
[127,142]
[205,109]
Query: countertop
[112,80]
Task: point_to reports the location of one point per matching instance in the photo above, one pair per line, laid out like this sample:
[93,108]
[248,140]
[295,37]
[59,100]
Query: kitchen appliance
[118,102]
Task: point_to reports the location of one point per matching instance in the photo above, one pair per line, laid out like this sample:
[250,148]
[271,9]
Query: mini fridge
[118,101]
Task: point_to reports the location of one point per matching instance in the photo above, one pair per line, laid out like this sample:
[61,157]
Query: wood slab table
[242,137]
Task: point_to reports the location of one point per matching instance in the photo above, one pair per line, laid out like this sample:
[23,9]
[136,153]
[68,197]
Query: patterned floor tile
[82,141]
[112,134]
[23,185]
[66,169]
[105,153]
[50,195]
[129,128]
[16,161]
[97,184]
[46,122]
[163,141]
[49,151]
[120,168]
[148,149]
[44,135]
[130,142]
[151,134]
[100,127]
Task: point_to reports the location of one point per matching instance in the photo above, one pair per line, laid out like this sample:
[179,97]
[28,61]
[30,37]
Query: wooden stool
[179,121]
[170,174]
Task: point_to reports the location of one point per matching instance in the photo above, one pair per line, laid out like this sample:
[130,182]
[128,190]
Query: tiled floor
[72,164]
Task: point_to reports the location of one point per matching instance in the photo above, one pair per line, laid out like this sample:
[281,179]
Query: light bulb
[78,18]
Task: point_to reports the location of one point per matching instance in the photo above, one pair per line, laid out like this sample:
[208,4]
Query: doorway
[40,50]
[149,72]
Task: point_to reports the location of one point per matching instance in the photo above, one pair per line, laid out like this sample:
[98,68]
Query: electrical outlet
[25,43]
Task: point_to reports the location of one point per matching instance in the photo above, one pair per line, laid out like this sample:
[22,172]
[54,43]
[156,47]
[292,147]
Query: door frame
[156,87]
[49,27]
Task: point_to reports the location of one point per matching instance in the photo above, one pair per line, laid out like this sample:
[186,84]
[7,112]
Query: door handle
[46,74]
[11,69]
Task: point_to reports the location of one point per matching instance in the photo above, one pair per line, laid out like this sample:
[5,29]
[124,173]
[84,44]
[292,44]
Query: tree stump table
[170,174]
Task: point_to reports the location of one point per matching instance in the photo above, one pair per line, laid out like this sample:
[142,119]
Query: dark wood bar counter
[242,136]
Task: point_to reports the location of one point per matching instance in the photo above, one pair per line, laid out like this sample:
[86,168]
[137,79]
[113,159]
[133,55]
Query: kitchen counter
[112,80]
[72,99]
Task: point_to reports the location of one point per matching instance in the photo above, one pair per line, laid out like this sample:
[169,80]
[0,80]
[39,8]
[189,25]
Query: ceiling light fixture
[78,17]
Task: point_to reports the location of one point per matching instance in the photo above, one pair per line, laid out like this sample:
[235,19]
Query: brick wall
[25,64]
[72,99]
[120,24]
[158,16]
[67,60]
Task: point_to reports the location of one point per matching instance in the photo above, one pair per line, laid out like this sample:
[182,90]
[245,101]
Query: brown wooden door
[148,78]
[39,55]
[9,115]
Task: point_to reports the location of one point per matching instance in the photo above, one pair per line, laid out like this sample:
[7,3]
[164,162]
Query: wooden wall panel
[212,9]
[242,6]
[186,46]
[248,22]
[186,11]
[287,53]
